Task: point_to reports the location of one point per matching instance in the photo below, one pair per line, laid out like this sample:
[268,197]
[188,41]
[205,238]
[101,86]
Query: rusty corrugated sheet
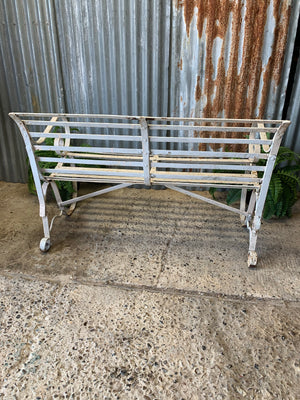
[178,58]
[228,57]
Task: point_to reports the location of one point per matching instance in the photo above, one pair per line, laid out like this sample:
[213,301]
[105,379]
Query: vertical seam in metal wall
[170,69]
[60,66]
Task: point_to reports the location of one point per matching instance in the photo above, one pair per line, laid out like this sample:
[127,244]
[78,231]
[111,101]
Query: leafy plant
[283,188]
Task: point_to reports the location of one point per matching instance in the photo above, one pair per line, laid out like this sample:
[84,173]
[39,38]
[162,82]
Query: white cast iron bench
[178,153]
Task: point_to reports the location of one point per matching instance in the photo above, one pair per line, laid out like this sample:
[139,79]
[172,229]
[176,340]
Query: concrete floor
[146,294]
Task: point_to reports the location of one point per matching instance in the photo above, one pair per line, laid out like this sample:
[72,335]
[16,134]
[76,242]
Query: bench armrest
[47,130]
[263,136]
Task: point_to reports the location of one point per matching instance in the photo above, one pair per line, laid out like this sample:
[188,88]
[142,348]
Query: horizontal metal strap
[206,159]
[206,177]
[93,171]
[210,128]
[158,164]
[209,154]
[181,139]
[91,162]
[106,156]
[84,124]
[149,118]
[90,149]
[86,136]
[140,180]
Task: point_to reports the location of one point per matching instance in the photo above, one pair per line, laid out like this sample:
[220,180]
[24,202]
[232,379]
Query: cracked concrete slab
[146,295]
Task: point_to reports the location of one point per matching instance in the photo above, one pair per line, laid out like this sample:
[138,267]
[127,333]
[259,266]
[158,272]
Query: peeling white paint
[242,36]
[267,48]
[216,54]
[228,41]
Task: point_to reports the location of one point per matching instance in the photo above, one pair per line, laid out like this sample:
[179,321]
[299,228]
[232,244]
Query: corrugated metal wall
[182,57]
[292,138]
[30,74]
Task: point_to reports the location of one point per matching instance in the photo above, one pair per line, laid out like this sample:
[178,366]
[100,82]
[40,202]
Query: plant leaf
[233,196]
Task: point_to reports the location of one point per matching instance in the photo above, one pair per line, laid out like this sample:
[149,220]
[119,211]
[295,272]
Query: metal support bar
[146,150]
[243,205]
[97,193]
[210,201]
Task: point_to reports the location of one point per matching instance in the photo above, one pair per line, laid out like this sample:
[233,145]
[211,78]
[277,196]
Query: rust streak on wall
[188,6]
[231,81]
[275,63]
[198,89]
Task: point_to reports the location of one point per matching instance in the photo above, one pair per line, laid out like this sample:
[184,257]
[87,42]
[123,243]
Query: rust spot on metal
[198,89]
[180,64]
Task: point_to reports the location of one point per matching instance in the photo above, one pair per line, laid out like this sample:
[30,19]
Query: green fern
[283,188]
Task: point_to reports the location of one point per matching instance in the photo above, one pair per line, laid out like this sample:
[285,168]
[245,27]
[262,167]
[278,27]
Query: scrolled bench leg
[45,241]
[252,259]
[253,229]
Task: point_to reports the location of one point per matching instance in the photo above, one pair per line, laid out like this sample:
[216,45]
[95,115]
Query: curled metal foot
[53,219]
[252,259]
[45,244]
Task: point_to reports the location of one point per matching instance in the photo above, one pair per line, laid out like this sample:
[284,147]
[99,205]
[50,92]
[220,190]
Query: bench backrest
[187,151]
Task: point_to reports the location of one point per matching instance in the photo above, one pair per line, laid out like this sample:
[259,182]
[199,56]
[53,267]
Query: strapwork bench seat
[178,153]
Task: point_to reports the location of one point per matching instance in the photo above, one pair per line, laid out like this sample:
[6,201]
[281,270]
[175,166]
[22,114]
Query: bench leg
[243,206]
[253,227]
[252,255]
[45,241]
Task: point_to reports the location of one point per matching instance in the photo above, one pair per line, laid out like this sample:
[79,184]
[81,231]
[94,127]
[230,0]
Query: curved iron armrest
[47,130]
[263,136]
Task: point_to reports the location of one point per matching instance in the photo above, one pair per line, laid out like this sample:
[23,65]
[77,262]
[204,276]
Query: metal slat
[86,136]
[90,149]
[208,153]
[150,118]
[182,176]
[83,124]
[209,140]
[75,171]
[158,164]
[91,162]
[105,156]
[210,128]
[92,179]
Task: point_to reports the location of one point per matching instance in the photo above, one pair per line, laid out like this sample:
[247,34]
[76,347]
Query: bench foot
[45,244]
[252,259]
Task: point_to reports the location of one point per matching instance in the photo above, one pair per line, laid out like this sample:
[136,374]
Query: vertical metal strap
[146,150]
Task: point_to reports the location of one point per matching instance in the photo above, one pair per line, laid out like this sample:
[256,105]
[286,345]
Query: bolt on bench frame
[191,154]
